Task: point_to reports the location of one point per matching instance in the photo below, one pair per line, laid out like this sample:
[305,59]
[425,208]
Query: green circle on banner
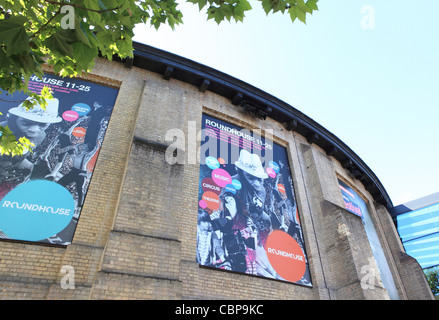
[36,210]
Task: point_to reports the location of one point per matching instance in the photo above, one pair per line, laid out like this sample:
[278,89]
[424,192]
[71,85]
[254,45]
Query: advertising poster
[42,192]
[351,199]
[247,215]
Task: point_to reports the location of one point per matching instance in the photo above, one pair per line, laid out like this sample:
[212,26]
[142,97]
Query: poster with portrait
[43,190]
[352,200]
[248,219]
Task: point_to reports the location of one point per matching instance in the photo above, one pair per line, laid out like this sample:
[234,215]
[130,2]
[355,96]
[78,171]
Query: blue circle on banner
[212,163]
[230,188]
[274,166]
[36,210]
[81,108]
[236,184]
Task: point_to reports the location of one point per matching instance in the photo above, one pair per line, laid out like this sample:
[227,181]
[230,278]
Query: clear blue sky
[375,88]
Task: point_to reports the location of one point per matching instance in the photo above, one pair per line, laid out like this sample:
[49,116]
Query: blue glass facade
[419,232]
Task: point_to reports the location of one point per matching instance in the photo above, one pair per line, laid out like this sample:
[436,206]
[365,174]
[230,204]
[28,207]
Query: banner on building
[247,214]
[352,200]
[42,192]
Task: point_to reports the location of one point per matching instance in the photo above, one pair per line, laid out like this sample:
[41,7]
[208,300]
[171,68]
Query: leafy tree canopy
[68,35]
[432,275]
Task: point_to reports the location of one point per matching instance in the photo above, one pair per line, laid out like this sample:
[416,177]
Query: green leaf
[61,42]
[293,14]
[312,4]
[215,13]
[94,5]
[276,5]
[107,4]
[239,9]
[13,35]
[46,93]
[301,4]
[226,11]
[9,144]
[80,33]
[266,5]
[27,63]
[4,60]
[218,16]
[84,56]
[301,14]
[91,37]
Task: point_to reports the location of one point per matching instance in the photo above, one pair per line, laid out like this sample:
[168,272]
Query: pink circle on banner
[221,177]
[70,115]
[202,204]
[271,172]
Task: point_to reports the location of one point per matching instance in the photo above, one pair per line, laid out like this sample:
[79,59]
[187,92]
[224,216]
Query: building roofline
[415,204]
[260,104]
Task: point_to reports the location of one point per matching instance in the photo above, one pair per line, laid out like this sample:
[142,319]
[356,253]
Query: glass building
[417,223]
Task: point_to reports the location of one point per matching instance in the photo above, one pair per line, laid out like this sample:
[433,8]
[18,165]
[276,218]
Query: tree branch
[43,26]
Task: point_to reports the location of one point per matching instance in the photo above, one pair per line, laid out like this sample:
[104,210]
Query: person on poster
[251,197]
[209,249]
[31,124]
[251,224]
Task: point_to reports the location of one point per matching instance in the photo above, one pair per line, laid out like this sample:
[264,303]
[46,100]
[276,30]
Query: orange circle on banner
[281,188]
[285,256]
[212,200]
[78,132]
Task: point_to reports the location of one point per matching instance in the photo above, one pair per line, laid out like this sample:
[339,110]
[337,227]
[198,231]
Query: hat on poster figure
[251,163]
[38,113]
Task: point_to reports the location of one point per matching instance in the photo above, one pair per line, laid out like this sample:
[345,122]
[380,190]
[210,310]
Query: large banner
[42,192]
[247,215]
[352,200]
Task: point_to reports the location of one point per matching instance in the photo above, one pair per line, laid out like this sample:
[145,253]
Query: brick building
[136,237]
